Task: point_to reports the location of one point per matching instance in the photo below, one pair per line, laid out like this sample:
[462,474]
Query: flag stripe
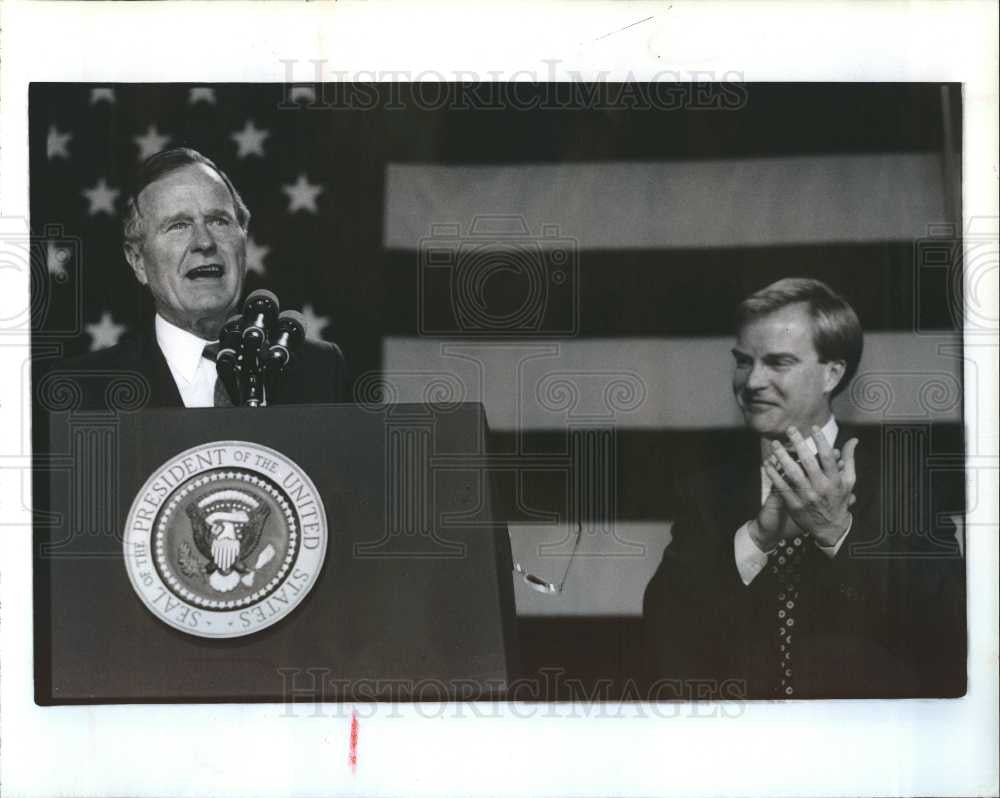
[737,202]
[894,286]
[675,383]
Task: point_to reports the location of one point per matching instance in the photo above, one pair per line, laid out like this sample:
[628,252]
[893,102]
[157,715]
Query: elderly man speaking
[185,233]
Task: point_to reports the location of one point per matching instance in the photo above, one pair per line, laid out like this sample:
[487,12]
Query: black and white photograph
[710,332]
[495,400]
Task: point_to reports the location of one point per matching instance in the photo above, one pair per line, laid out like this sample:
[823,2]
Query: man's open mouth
[211,271]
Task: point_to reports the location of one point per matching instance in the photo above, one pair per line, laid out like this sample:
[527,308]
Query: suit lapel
[163,389]
[743,478]
[736,481]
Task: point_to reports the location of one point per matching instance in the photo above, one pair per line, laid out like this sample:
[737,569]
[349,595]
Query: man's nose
[203,240]
[757,378]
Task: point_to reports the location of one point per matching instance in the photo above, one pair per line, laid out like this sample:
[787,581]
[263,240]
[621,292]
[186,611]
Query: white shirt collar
[829,430]
[182,350]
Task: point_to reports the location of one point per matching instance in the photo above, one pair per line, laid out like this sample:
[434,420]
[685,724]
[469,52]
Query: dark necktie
[221,396]
[786,562]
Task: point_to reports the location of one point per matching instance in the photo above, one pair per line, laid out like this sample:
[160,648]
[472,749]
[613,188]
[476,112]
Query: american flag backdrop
[610,236]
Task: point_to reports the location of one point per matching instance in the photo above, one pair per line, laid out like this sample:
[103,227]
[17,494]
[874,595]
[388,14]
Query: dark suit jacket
[317,373]
[884,618]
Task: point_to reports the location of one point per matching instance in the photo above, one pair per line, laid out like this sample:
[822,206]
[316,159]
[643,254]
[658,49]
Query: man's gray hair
[837,333]
[159,165]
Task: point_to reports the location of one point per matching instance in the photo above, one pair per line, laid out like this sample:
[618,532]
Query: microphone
[255,348]
[259,313]
[228,360]
[291,333]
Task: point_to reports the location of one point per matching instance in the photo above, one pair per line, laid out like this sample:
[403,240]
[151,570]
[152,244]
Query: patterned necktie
[786,563]
[221,395]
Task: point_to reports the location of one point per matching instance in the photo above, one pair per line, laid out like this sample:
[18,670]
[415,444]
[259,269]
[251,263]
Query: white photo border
[911,747]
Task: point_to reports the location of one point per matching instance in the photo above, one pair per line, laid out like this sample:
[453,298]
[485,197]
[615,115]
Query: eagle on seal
[226,526]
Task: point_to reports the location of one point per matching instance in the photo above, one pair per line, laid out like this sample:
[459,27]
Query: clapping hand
[814,494]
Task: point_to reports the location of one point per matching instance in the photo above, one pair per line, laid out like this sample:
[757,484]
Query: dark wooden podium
[414,600]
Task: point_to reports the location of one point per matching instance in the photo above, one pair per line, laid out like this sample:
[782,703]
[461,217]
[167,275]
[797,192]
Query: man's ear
[833,375]
[134,258]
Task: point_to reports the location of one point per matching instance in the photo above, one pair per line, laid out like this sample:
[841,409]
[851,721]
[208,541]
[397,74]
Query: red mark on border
[352,756]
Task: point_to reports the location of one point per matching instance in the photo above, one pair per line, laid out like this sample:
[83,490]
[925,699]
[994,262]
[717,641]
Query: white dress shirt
[750,560]
[194,374]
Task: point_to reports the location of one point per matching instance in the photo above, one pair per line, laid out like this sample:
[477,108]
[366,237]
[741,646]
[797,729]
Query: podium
[412,601]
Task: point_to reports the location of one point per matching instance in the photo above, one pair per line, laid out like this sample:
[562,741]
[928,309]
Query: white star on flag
[302,195]
[55,144]
[56,259]
[101,197]
[151,143]
[104,333]
[250,140]
[255,256]
[201,94]
[305,94]
[314,323]
[102,95]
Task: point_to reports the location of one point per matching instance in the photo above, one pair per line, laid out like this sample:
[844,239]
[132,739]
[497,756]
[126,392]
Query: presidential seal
[225,539]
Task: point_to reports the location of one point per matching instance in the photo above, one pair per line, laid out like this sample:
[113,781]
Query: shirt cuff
[831,551]
[750,560]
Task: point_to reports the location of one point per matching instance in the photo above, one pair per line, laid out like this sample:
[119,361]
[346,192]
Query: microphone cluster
[256,346]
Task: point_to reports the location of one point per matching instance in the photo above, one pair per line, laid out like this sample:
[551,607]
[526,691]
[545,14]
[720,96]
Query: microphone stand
[259,312]
[255,348]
